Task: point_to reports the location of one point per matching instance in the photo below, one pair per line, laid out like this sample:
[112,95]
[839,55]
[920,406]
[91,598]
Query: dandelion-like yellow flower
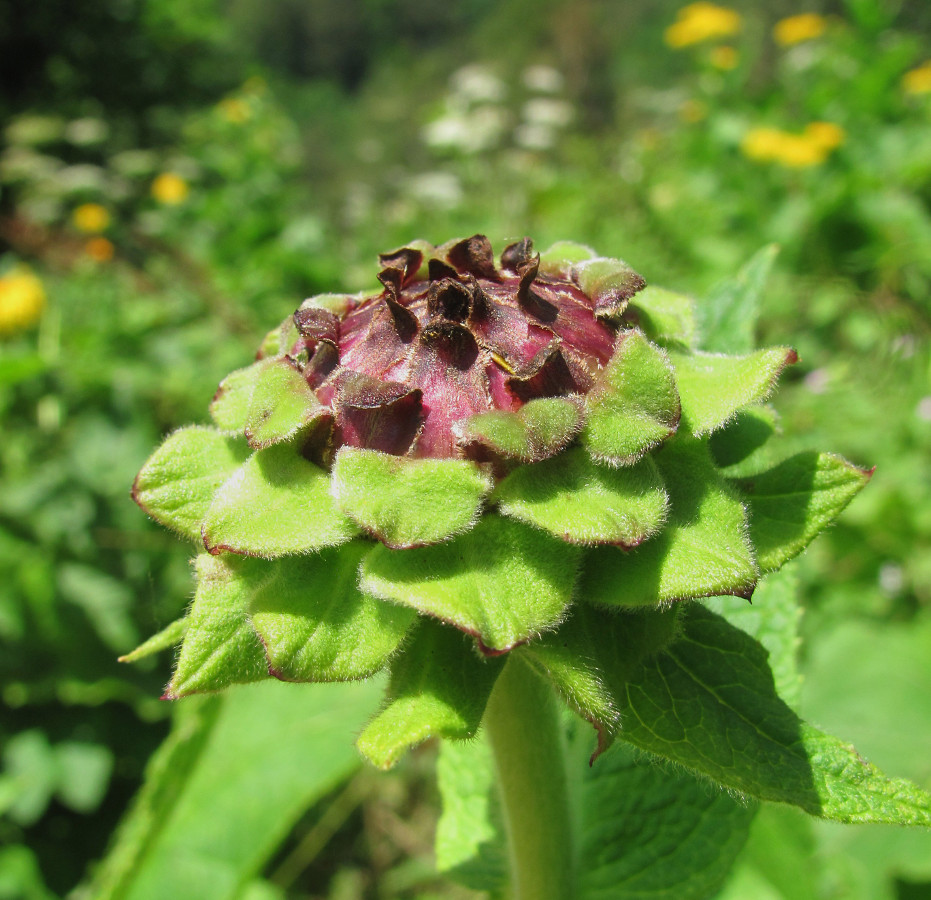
[99,249]
[170,189]
[22,299]
[795,29]
[724,57]
[825,134]
[90,218]
[700,22]
[235,110]
[918,80]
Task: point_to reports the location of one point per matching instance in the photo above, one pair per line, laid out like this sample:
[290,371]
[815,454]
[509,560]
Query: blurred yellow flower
[918,81]
[795,29]
[91,218]
[724,57]
[794,151]
[22,299]
[699,22]
[99,249]
[235,110]
[692,111]
[170,189]
[826,134]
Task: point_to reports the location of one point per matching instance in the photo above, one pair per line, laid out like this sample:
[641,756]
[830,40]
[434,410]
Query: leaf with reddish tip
[609,282]
[338,304]
[664,316]
[795,501]
[539,429]
[314,622]
[408,502]
[584,503]
[282,403]
[229,408]
[177,484]
[559,259]
[439,688]
[703,551]
[713,388]
[503,581]
[220,647]
[633,405]
[276,503]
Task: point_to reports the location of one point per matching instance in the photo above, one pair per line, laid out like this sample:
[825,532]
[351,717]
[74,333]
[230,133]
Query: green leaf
[650,832]
[282,403]
[314,623]
[84,774]
[633,405]
[229,408]
[276,503]
[539,429]
[177,484]
[220,647]
[714,388]
[228,786]
[170,636]
[730,311]
[584,503]
[590,642]
[471,847]
[439,688]
[408,502]
[708,702]
[502,582]
[795,501]
[704,549]
[743,435]
[665,317]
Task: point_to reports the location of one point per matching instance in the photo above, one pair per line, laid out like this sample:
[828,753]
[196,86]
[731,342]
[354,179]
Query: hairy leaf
[282,403]
[666,318]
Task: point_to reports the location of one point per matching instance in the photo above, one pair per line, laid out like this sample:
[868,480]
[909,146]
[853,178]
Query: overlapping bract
[477,447]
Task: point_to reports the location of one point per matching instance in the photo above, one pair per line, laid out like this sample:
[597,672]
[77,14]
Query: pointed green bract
[584,503]
[610,283]
[503,581]
[795,501]
[704,549]
[177,484]
[168,637]
[439,688]
[220,647]
[633,406]
[338,304]
[276,503]
[713,388]
[538,430]
[229,408]
[559,259]
[593,641]
[314,623]
[282,402]
[665,317]
[708,702]
[408,502]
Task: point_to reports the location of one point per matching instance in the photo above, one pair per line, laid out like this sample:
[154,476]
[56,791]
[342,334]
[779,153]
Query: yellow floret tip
[170,189]
[796,29]
[918,80]
[22,299]
[699,22]
[90,218]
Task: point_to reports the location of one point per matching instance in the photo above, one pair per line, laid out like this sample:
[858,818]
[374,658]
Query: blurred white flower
[817,380]
[533,136]
[924,409]
[548,111]
[469,132]
[478,84]
[82,177]
[22,164]
[134,163]
[441,190]
[891,578]
[544,79]
[87,131]
[32,130]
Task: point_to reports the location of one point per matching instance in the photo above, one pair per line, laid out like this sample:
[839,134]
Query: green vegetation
[174,177]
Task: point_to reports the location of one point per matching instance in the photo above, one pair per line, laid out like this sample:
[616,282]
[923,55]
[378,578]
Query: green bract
[527,455]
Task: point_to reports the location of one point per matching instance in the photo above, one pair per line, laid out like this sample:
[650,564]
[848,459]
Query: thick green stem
[523,722]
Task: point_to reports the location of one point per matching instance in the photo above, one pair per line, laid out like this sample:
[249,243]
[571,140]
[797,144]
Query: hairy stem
[524,727]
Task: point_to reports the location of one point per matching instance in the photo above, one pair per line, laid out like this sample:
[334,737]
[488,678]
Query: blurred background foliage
[176,175]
